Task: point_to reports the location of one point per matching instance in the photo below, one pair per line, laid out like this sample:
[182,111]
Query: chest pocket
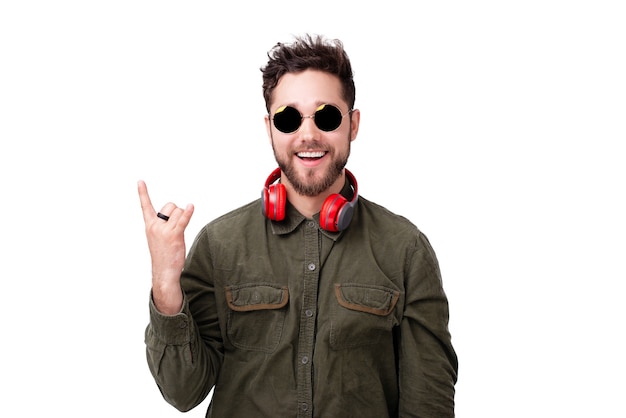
[363,315]
[256,316]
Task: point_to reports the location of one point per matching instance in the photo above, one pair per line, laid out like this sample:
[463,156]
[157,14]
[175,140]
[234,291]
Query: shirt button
[304,407]
[310,224]
[308,313]
[305,360]
[311,266]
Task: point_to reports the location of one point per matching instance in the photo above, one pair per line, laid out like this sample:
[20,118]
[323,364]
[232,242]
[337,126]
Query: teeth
[311,154]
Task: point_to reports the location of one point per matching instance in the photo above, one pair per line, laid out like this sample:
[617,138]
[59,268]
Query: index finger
[146,204]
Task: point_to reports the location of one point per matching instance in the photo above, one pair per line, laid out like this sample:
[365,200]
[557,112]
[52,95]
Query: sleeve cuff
[171,329]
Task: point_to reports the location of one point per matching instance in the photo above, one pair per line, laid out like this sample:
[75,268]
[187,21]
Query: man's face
[312,159]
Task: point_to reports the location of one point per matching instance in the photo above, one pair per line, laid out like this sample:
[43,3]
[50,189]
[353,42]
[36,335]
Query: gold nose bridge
[303,118]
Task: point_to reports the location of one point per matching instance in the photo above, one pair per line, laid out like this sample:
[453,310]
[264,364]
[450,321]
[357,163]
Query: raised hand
[165,231]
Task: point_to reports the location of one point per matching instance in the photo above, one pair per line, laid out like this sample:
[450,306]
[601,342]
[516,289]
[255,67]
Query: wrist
[168,300]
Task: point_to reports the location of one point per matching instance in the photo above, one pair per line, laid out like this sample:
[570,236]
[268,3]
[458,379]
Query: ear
[268,127]
[355,119]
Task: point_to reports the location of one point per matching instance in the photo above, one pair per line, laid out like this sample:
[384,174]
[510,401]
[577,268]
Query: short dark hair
[308,52]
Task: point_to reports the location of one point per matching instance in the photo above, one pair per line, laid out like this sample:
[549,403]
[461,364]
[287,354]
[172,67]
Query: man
[312,301]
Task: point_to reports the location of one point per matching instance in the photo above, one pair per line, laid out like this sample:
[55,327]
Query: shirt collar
[293,218]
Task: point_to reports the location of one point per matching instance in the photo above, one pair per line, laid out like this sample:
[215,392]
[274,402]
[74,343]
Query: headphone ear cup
[330,213]
[274,200]
[265,201]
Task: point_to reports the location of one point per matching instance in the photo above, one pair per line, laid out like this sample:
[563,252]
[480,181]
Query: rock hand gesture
[165,231]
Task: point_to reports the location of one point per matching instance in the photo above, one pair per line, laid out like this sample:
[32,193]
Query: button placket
[307,315]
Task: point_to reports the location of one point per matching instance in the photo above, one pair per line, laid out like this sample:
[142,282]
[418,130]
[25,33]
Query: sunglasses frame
[302,117]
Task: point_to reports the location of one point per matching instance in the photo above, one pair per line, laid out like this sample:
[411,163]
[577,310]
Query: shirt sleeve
[172,358]
[428,364]
[183,359]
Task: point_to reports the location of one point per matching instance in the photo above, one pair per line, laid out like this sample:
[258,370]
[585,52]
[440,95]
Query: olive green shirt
[285,320]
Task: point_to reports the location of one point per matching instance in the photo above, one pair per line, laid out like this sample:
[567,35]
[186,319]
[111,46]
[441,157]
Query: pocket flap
[375,300]
[256,297]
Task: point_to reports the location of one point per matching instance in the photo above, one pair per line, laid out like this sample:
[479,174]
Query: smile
[311,154]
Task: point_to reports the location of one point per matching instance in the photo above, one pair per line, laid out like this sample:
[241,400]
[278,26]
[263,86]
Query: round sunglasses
[327,117]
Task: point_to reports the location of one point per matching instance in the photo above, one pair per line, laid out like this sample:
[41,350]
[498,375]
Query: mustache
[312,145]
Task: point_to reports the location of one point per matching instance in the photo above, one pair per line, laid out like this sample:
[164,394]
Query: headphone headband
[272,178]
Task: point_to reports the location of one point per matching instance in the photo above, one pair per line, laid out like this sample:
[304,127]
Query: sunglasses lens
[328,117]
[287,119]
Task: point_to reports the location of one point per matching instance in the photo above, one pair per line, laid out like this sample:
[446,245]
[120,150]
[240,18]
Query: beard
[308,183]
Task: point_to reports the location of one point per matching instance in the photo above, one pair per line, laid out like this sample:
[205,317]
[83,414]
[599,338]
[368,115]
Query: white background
[497,127]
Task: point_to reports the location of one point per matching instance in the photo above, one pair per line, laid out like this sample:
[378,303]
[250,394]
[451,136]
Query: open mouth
[310,155]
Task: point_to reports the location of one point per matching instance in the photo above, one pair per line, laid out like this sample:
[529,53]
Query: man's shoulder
[379,225]
[240,217]
[377,214]
[246,210]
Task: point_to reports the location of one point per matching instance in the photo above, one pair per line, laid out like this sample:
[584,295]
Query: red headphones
[336,211]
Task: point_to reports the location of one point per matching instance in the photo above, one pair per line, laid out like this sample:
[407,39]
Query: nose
[308,129]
